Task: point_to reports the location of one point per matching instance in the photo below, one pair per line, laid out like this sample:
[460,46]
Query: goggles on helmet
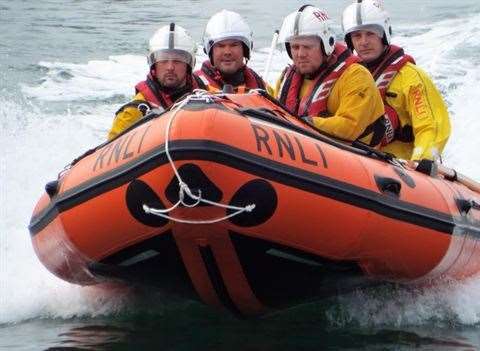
[170,54]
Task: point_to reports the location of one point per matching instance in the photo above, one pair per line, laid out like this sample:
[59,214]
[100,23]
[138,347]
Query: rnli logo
[419,104]
[287,146]
[122,148]
[322,16]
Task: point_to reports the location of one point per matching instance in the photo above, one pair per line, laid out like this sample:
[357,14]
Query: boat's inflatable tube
[234,201]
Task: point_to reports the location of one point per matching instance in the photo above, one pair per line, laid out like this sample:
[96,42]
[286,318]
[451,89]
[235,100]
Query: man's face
[228,56]
[367,44]
[307,54]
[171,72]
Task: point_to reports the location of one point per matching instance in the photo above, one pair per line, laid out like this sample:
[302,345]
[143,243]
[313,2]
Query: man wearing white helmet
[419,125]
[171,59]
[325,86]
[228,43]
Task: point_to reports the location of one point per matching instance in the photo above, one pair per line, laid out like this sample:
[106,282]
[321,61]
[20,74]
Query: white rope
[160,213]
[183,187]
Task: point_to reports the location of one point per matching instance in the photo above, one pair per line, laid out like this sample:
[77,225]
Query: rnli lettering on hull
[122,148]
[286,145]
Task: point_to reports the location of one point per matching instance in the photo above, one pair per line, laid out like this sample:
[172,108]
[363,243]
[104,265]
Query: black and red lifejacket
[314,103]
[214,81]
[156,97]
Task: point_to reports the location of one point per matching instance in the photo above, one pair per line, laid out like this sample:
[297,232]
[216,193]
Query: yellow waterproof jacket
[353,104]
[420,107]
[126,116]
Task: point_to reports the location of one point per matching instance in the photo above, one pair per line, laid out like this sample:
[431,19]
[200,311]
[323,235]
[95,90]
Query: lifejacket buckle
[143,108]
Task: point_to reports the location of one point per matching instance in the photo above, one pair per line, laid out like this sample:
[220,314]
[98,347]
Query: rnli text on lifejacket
[122,148]
[286,145]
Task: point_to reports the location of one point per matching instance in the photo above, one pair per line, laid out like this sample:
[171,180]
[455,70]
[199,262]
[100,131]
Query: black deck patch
[140,193]
[258,192]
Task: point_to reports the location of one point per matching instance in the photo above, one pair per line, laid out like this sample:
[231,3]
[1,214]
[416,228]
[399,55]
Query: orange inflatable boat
[231,200]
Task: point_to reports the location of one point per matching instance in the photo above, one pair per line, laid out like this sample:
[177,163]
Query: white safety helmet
[172,42]
[227,25]
[366,14]
[308,21]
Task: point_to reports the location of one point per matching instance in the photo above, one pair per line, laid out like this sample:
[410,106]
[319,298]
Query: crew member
[171,60]
[228,43]
[418,122]
[326,86]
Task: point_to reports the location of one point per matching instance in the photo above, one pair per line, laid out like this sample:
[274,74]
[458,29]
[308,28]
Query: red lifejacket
[383,74]
[314,103]
[212,77]
[150,89]
[386,70]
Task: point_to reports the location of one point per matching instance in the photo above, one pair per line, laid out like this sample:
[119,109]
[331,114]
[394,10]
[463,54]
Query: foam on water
[103,79]
[95,80]
[39,143]
[38,147]
[448,305]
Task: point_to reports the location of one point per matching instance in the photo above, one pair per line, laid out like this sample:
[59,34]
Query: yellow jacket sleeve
[354,104]
[420,105]
[125,117]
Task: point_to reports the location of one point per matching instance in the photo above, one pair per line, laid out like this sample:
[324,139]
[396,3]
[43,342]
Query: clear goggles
[170,55]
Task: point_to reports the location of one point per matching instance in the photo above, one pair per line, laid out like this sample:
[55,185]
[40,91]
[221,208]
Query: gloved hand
[391,123]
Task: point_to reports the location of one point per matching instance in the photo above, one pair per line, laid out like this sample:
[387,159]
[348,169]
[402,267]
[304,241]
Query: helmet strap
[384,39]
[348,41]
[246,51]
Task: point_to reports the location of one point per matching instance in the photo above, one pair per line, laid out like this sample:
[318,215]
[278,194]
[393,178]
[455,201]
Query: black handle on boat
[389,186]
[51,188]
[464,206]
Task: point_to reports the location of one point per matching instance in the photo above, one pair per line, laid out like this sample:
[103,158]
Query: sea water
[67,66]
